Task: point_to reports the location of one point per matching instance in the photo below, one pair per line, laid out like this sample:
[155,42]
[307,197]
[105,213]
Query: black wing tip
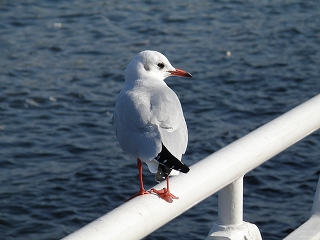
[162,173]
[185,169]
[165,158]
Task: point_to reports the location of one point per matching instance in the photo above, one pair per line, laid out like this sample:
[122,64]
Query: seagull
[148,119]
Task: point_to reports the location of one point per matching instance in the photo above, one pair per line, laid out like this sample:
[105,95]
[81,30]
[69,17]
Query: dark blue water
[61,69]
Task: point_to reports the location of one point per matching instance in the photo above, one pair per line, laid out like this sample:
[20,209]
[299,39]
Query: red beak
[181,73]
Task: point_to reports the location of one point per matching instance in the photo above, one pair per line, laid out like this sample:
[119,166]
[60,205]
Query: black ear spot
[146,67]
[161,65]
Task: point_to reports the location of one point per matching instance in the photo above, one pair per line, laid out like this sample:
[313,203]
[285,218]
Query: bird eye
[161,65]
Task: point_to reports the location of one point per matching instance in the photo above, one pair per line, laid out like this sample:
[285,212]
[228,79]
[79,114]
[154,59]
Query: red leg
[165,193]
[142,191]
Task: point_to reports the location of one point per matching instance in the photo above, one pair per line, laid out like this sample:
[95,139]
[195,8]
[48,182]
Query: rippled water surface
[61,69]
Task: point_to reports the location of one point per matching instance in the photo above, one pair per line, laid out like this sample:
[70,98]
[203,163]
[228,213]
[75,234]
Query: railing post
[231,203]
[311,228]
[316,201]
[230,223]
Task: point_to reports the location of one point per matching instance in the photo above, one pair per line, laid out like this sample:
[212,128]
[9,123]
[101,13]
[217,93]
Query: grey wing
[136,134]
[168,114]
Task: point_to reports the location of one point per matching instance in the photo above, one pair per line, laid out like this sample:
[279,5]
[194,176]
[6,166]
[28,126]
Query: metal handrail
[142,215]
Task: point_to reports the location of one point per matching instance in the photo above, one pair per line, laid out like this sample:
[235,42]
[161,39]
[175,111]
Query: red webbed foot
[165,194]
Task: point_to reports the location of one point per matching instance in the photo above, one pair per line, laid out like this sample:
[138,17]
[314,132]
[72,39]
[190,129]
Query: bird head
[152,65]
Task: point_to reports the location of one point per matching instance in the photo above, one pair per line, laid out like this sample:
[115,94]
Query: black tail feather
[167,162]
[162,173]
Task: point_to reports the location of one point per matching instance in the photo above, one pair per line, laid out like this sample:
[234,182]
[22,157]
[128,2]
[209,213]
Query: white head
[152,65]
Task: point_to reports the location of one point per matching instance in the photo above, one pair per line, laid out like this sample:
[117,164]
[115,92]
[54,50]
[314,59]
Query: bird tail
[167,162]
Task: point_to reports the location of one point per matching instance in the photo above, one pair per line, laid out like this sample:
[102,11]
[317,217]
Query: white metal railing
[142,215]
[310,229]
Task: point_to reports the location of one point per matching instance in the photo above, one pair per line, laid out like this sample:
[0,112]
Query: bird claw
[164,194]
